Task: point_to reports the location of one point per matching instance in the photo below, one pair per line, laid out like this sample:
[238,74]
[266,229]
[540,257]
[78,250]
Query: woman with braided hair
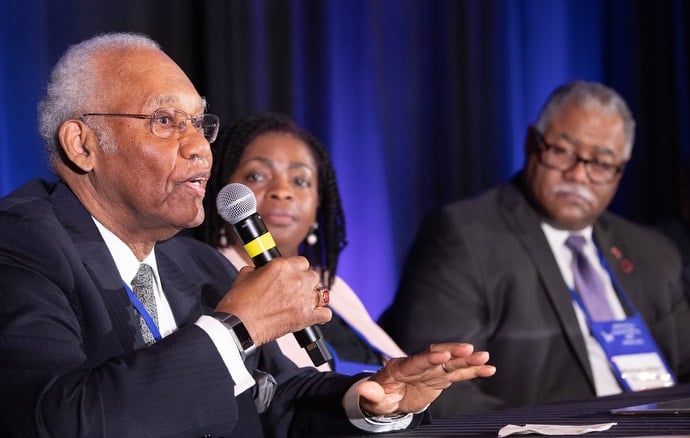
[297,196]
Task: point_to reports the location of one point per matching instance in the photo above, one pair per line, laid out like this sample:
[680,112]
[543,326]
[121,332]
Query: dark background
[419,101]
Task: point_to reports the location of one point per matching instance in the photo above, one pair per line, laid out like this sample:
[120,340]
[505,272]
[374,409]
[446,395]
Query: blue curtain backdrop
[419,101]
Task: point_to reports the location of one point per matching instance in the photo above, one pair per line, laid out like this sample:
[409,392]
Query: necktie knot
[143,278]
[588,283]
[575,242]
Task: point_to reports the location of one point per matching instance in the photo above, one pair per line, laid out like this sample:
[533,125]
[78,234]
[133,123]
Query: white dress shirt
[127,265]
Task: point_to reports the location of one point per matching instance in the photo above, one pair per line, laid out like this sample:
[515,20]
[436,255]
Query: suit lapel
[99,264]
[615,255]
[180,290]
[525,222]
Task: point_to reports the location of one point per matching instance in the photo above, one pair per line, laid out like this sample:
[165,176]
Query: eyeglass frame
[544,146]
[152,118]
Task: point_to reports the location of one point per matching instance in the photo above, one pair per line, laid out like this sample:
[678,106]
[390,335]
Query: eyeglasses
[560,158]
[171,123]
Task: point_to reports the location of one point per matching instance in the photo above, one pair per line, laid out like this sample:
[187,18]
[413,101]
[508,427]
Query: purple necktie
[587,282]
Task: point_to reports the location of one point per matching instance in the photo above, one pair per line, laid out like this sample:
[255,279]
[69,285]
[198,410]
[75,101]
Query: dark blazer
[482,271]
[71,362]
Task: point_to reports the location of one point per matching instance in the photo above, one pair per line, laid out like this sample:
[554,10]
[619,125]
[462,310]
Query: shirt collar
[557,237]
[125,260]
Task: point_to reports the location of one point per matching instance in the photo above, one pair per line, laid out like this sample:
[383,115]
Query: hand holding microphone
[237,205]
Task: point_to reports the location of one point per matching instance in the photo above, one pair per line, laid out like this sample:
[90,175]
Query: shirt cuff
[228,352]
[369,423]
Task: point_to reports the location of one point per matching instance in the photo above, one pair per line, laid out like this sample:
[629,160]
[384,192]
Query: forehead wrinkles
[196,104]
[591,126]
[599,148]
[148,74]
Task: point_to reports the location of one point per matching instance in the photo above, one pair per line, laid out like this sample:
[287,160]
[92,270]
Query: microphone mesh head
[235,202]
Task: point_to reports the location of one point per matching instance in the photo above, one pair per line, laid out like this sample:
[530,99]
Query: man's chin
[571,223]
[190,223]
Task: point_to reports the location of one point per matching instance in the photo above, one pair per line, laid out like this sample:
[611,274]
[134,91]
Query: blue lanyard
[636,321]
[142,311]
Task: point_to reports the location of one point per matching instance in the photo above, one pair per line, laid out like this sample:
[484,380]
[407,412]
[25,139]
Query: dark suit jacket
[70,357]
[482,271]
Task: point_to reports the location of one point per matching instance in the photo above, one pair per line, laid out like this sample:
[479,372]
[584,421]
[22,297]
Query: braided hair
[228,150]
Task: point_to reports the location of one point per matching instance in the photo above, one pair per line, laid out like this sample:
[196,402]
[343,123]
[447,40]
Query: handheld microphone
[237,206]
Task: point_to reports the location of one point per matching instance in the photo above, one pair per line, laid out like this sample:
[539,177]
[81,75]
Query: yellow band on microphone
[259,245]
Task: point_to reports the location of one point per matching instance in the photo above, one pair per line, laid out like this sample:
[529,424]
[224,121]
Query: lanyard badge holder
[631,350]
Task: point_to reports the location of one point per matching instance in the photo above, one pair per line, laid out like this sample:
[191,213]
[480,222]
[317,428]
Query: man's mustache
[574,189]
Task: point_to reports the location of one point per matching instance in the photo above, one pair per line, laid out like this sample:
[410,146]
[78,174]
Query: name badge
[632,353]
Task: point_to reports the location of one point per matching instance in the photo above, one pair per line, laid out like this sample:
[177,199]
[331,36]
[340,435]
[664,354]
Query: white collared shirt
[127,265]
[604,379]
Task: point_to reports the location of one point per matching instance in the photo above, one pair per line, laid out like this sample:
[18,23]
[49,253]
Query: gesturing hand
[410,384]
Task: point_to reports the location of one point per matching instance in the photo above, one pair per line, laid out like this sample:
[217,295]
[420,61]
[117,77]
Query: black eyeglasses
[171,123]
[560,158]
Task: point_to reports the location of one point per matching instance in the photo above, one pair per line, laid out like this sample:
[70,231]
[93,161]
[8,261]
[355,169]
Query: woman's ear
[77,141]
